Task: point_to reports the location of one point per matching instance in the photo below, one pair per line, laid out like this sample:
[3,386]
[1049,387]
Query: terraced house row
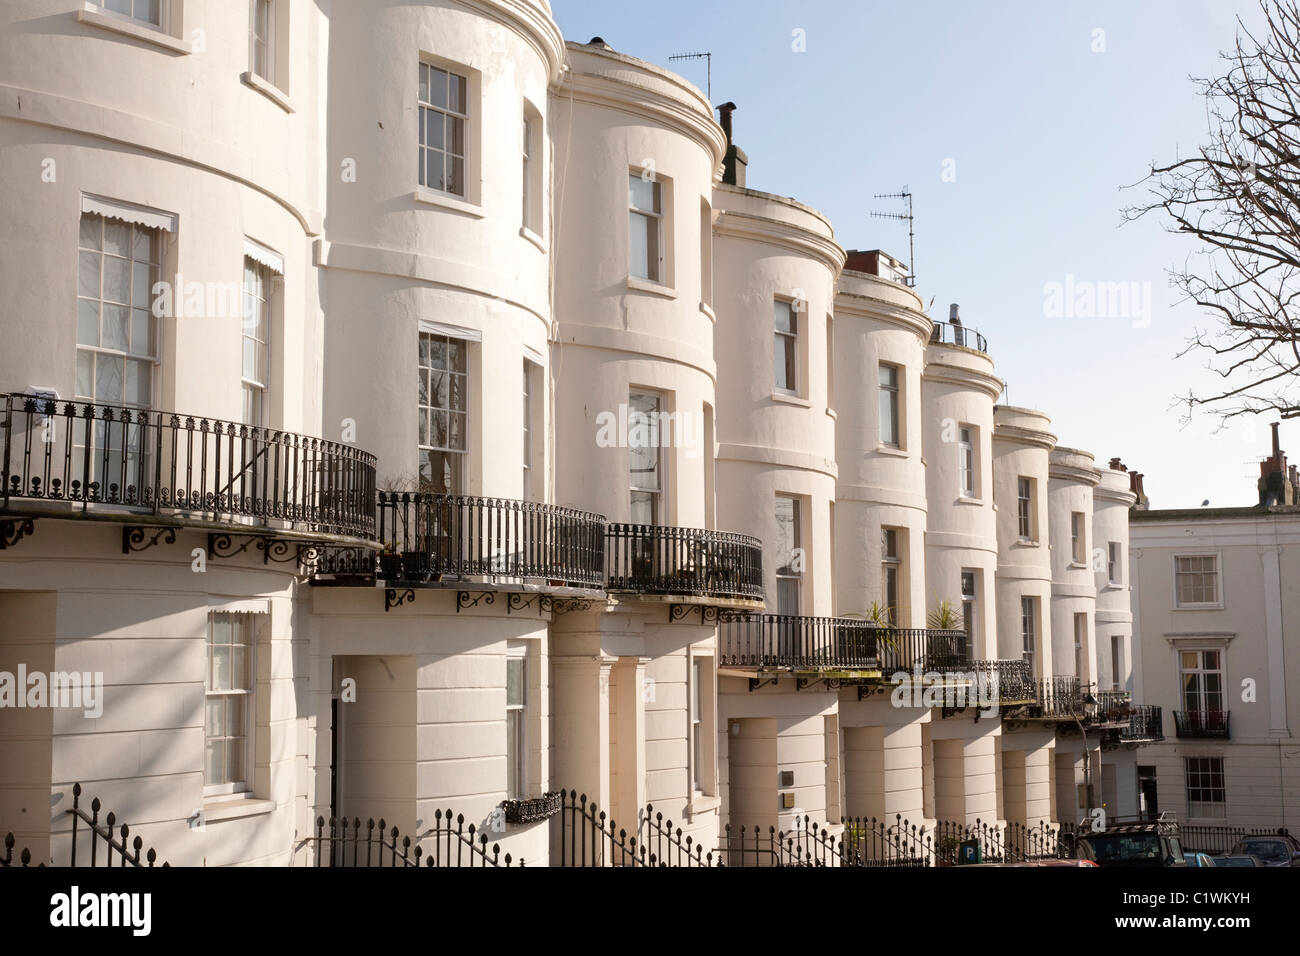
[408,410]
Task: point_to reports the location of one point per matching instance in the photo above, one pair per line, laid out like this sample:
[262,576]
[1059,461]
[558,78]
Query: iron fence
[658,559]
[1217,839]
[130,852]
[1006,681]
[448,843]
[1060,697]
[926,649]
[89,454]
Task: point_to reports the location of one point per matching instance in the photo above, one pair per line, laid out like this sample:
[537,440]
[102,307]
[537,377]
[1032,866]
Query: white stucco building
[1217,650]
[405,409]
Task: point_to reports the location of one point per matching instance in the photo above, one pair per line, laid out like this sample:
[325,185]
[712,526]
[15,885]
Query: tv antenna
[708,57]
[906,196]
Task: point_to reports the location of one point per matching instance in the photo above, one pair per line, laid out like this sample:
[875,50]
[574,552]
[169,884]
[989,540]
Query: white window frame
[891,565]
[163,11]
[460,456]
[1029,630]
[785,345]
[1079,624]
[1114,563]
[517,651]
[1078,539]
[258,618]
[792,575]
[655,218]
[970,609]
[890,393]
[531,376]
[656,491]
[266,305]
[967,466]
[1116,661]
[268,41]
[1025,508]
[1222,772]
[1218,580]
[703,721]
[1201,670]
[423,110]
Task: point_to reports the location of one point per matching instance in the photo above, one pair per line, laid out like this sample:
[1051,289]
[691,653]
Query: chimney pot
[954,315]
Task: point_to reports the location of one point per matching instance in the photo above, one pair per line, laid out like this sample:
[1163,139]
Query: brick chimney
[1277,481]
[1135,485]
[876,262]
[734,160]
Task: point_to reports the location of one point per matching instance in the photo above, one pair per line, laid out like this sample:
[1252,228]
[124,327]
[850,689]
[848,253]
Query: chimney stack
[1277,485]
[954,314]
[734,160]
[1135,486]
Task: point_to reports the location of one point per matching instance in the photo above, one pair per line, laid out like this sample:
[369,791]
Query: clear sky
[1036,133]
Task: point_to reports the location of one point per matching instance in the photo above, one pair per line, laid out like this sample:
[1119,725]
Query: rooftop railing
[948,333]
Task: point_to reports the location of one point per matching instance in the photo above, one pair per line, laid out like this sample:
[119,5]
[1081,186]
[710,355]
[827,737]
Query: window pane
[221,674]
[117,237]
[639,246]
[643,195]
[91,231]
[108,379]
[784,317]
[514,681]
[87,322]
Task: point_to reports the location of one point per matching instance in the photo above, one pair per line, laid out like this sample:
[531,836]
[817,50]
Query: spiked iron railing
[448,843]
[130,852]
[751,640]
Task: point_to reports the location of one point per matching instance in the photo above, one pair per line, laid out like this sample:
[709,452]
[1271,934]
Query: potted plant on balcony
[945,617]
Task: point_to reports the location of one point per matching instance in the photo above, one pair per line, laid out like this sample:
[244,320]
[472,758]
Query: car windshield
[1265,849]
[1233,861]
[1118,847]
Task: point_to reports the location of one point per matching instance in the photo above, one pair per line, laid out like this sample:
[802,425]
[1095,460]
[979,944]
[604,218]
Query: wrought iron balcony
[1010,682]
[690,562]
[1145,723]
[946,333]
[63,459]
[775,641]
[430,539]
[1060,697]
[1113,708]
[926,649]
[1201,723]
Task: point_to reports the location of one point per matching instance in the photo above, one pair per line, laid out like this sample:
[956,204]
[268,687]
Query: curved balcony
[1145,724]
[72,459]
[1009,682]
[686,562]
[1059,697]
[947,333]
[797,643]
[459,539]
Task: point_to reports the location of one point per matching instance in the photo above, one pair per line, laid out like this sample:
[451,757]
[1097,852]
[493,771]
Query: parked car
[1238,859]
[1279,850]
[1196,858]
[1149,844]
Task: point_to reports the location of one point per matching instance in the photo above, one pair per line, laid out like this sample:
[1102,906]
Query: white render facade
[359,524]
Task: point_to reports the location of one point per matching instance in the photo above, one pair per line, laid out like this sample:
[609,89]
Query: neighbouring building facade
[338,485]
[1218,648]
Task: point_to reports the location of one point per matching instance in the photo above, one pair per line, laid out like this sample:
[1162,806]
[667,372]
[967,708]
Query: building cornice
[734,224]
[987,382]
[691,114]
[533,22]
[1073,464]
[858,305]
[1019,435]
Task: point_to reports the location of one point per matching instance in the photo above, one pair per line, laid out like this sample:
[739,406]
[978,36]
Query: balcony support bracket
[13,530]
[677,612]
[394,597]
[865,690]
[224,545]
[466,599]
[755,683]
[137,537]
[832,683]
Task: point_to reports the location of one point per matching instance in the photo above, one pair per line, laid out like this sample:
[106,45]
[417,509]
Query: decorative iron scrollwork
[223,545]
[12,530]
[395,597]
[756,682]
[564,605]
[134,537]
[518,601]
[708,613]
[464,599]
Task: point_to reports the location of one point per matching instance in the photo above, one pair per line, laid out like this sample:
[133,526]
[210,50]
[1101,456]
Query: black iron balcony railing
[796,642]
[1112,707]
[430,538]
[1145,722]
[946,333]
[1007,681]
[1201,723]
[692,562]
[1060,697]
[929,649]
[177,466]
